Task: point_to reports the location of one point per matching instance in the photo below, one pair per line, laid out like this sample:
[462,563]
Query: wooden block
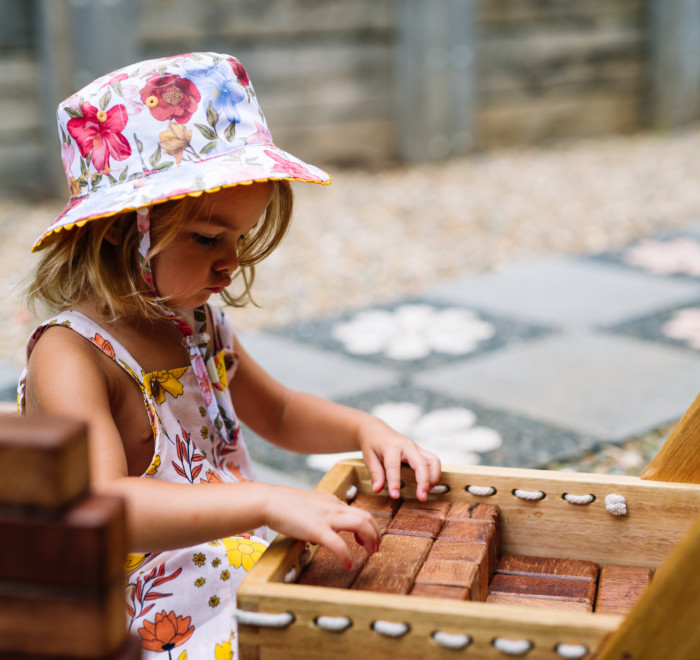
[324,569]
[539,603]
[468,530]
[413,525]
[83,546]
[479,513]
[34,620]
[48,459]
[475,530]
[380,580]
[533,586]
[383,523]
[435,508]
[394,567]
[572,569]
[619,588]
[473,552]
[440,591]
[471,511]
[450,572]
[377,505]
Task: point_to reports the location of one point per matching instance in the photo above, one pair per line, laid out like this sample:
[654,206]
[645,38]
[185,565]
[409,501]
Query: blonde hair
[82,263]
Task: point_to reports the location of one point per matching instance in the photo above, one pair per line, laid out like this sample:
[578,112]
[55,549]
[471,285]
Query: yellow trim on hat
[194,193]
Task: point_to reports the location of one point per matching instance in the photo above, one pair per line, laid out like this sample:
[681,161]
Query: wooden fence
[368,82]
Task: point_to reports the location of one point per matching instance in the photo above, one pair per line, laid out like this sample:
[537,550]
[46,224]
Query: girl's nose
[228,260]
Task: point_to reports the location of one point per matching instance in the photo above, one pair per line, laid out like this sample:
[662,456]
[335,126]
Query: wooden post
[675,62]
[62,549]
[436,79]
[679,457]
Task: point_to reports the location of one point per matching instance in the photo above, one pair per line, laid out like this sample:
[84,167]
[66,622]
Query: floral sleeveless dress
[181,602]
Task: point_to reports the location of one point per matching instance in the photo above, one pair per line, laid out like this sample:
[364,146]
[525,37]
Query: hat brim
[252,163]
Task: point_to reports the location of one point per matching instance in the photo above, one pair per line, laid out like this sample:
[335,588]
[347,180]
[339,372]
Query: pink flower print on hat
[261,136]
[99,133]
[171,97]
[296,169]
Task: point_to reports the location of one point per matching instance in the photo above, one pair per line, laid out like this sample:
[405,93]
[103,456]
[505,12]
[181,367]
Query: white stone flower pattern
[684,325]
[679,256]
[413,332]
[448,432]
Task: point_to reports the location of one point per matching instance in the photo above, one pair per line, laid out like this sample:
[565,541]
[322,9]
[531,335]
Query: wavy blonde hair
[80,264]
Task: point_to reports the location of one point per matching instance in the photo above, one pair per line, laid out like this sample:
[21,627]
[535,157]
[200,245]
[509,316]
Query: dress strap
[94,333]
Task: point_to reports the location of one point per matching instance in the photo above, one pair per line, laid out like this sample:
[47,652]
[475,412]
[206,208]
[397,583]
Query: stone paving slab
[567,292]
[306,368]
[606,386]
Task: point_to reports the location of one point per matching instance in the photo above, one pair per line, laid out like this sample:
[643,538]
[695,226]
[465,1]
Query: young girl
[177,189]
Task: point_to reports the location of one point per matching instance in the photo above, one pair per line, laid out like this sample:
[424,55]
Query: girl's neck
[186,314]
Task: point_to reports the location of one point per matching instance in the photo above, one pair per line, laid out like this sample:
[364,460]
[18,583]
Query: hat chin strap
[196,340]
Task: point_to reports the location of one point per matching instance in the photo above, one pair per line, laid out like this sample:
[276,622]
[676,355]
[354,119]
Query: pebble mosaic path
[536,363]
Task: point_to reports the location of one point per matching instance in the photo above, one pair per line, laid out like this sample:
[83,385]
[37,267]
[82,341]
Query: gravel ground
[374,237]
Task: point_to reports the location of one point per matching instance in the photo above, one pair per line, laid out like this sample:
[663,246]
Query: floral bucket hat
[162,129]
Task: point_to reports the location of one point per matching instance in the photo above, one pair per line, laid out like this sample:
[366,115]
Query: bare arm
[67,377]
[307,424]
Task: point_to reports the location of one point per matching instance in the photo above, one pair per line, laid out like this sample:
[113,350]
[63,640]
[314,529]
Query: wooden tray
[656,530]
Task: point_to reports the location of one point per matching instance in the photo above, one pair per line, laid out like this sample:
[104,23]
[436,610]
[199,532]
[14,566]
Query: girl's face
[203,257]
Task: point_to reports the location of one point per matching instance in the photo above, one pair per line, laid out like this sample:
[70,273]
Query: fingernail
[395,493]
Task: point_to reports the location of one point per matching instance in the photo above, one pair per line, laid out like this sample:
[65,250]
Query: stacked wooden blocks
[452,550]
[62,550]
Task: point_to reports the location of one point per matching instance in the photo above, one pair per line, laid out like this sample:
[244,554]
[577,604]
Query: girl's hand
[317,518]
[384,450]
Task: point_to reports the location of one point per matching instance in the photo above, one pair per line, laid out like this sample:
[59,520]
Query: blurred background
[463,135]
[369,82]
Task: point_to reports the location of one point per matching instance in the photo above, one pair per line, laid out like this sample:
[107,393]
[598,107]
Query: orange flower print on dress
[211,477]
[104,344]
[235,470]
[166,632]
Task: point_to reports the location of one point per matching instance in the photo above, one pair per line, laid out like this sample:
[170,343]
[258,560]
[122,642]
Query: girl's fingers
[434,467]
[418,462]
[368,537]
[331,540]
[392,467]
[376,471]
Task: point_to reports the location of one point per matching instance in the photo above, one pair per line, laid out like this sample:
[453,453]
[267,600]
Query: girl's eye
[205,240]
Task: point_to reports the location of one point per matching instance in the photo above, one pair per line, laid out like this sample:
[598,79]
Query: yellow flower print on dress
[155,464]
[243,551]
[224,651]
[160,382]
[220,362]
[133,561]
